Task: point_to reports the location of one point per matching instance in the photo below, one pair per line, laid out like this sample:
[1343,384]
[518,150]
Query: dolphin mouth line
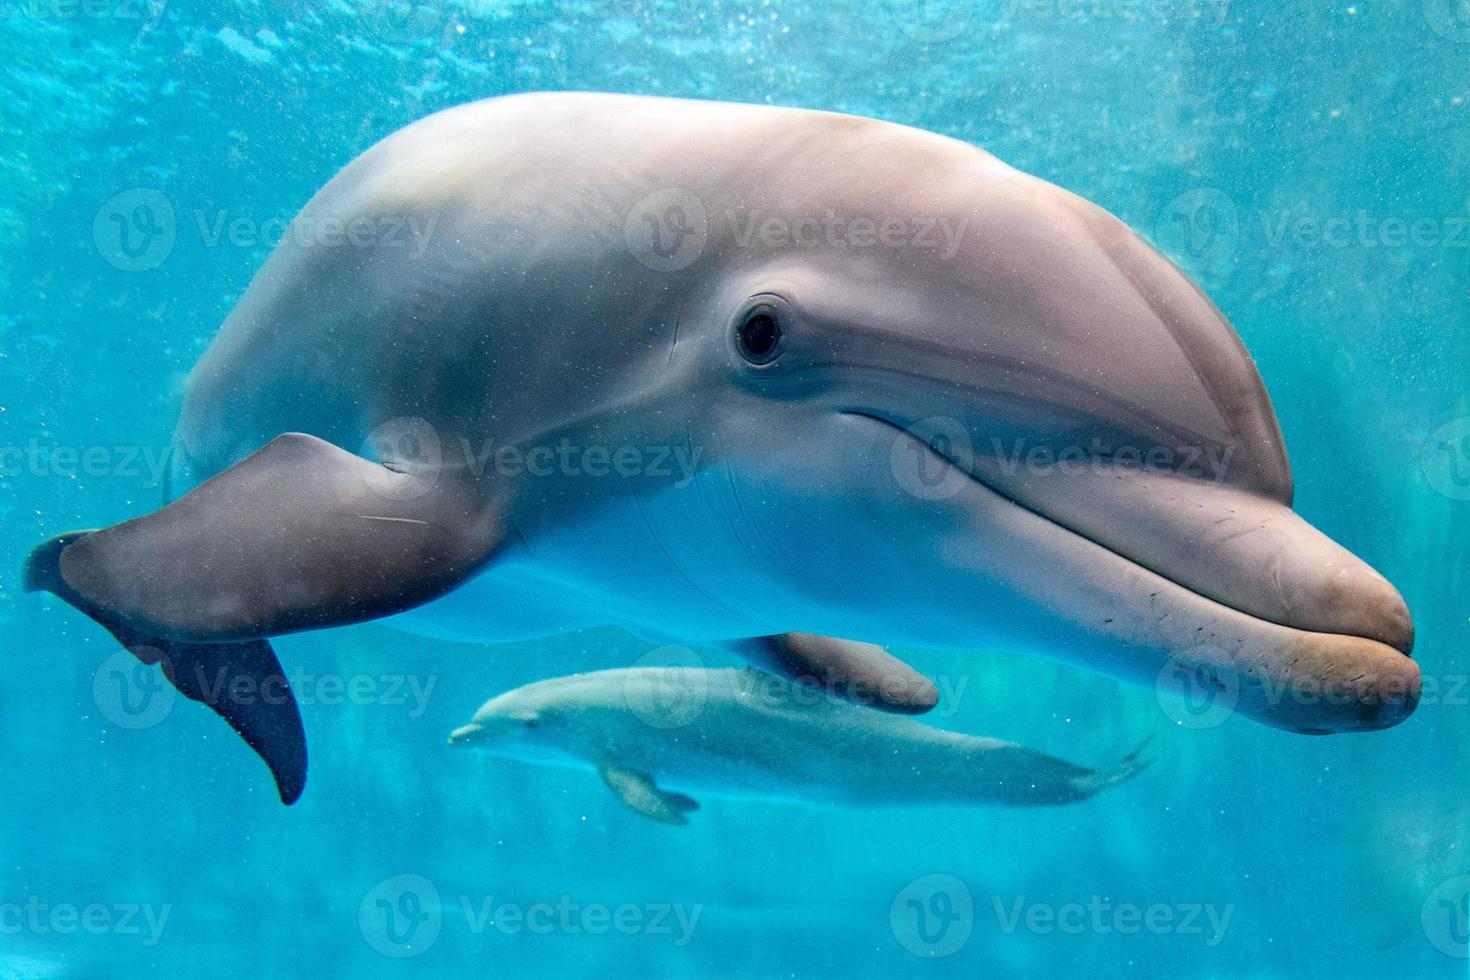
[985,485]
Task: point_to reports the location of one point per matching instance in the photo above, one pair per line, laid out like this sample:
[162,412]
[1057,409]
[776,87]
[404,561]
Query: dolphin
[798,384]
[655,734]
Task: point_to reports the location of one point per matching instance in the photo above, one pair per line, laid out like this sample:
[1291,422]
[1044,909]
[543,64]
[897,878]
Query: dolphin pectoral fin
[243,683]
[638,791]
[860,672]
[301,535]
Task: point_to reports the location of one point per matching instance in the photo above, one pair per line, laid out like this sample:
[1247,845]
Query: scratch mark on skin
[675,342]
[394,520]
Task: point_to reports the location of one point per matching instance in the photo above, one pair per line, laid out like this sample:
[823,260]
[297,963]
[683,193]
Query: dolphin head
[561,720]
[522,723]
[1013,423]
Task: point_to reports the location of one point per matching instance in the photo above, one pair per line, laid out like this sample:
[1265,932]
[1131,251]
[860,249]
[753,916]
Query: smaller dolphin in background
[746,733]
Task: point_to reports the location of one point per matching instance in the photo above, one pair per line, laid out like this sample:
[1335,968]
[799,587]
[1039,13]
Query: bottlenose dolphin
[920,397]
[652,732]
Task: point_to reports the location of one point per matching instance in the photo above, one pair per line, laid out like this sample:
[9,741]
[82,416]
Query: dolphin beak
[468,735]
[1166,580]
[1253,599]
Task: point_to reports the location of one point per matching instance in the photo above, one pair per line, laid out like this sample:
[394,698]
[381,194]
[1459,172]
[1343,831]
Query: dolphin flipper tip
[206,672]
[861,672]
[1094,781]
[42,571]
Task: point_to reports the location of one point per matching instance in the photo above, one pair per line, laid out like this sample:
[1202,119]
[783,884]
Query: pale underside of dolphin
[658,734]
[854,335]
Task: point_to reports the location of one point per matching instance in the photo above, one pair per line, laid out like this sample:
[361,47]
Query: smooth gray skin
[749,734]
[862,485]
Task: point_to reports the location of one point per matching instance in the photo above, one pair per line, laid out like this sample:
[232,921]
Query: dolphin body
[655,734]
[919,397]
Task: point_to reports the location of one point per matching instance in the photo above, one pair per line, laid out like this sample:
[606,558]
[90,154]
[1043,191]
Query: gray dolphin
[741,375]
[656,734]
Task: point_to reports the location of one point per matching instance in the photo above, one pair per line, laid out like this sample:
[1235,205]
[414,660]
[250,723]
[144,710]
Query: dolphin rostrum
[652,732]
[738,375]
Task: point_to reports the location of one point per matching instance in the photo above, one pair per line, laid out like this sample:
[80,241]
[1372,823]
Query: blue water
[133,843]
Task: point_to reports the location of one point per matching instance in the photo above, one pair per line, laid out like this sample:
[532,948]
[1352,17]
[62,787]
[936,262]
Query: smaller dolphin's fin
[638,791]
[859,672]
[1096,780]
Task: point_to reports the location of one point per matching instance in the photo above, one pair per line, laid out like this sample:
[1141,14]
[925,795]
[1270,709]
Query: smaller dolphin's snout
[468,735]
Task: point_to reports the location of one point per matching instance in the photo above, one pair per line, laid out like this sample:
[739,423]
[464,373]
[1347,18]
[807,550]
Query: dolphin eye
[759,336]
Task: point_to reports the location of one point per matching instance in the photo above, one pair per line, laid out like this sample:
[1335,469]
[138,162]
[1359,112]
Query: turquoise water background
[1308,162]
